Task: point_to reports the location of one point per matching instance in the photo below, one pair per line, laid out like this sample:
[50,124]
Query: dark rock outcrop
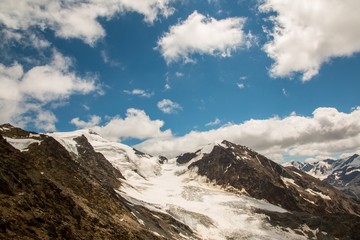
[185,158]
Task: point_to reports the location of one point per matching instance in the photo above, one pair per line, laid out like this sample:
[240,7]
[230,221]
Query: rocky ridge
[343,174]
[310,201]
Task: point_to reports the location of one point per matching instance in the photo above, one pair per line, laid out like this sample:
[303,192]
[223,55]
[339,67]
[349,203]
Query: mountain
[309,200]
[77,185]
[343,173]
[48,191]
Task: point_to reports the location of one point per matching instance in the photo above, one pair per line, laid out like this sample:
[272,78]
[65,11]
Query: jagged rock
[185,158]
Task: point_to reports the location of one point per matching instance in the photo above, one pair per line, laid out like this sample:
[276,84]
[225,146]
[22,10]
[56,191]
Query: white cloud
[75,19]
[241,85]
[45,120]
[167,106]
[28,39]
[284,92]
[179,74]
[149,8]
[86,107]
[326,132]
[54,81]
[167,87]
[28,93]
[106,58]
[202,35]
[137,124]
[139,92]
[94,121]
[213,123]
[307,34]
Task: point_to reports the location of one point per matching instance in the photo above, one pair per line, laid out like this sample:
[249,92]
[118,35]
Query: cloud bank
[326,132]
[307,34]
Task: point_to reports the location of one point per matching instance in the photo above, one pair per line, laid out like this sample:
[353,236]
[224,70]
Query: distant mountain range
[77,185]
[343,173]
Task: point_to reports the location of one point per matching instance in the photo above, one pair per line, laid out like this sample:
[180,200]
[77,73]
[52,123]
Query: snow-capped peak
[128,160]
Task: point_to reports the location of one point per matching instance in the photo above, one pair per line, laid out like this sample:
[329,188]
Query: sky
[169,76]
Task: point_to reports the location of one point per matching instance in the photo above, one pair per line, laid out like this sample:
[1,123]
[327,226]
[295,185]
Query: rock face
[310,201]
[343,173]
[48,193]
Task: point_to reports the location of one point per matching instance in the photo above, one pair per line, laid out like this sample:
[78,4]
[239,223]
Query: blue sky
[169,76]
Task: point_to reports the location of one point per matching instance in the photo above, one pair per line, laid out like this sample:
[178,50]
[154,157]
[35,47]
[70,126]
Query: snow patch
[323,196]
[289,181]
[227,168]
[312,202]
[21,144]
[297,173]
[138,219]
[354,170]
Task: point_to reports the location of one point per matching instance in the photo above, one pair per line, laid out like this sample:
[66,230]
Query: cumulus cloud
[167,106]
[136,124]
[203,35]
[140,93]
[54,81]
[307,34]
[94,121]
[75,19]
[27,93]
[326,132]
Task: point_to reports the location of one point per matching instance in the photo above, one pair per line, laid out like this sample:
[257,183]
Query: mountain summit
[77,185]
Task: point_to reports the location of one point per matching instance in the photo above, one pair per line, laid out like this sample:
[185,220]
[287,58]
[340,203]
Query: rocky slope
[343,173]
[47,192]
[310,201]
